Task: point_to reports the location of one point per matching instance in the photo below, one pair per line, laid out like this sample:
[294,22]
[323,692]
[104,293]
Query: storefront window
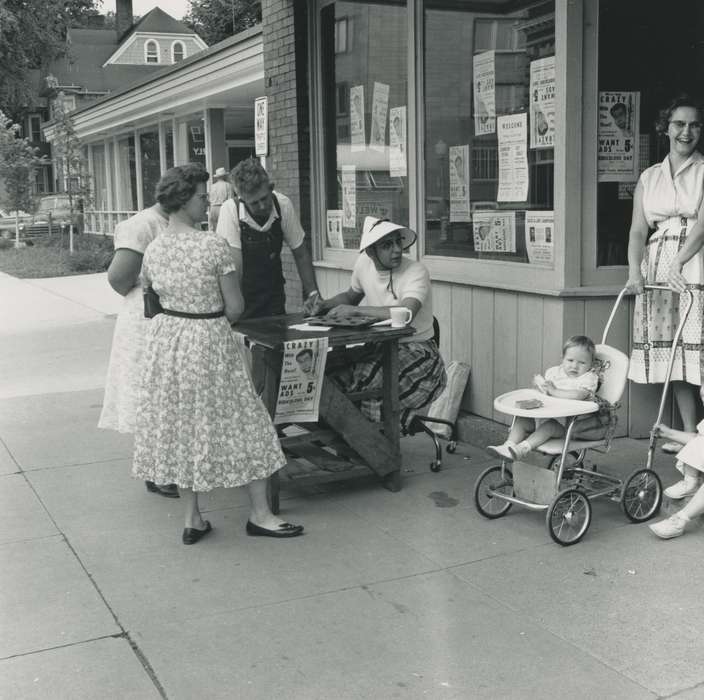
[151,168]
[489,92]
[196,142]
[365,93]
[634,85]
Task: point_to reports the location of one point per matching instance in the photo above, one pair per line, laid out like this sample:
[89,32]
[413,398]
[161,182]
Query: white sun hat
[220,172]
[375,229]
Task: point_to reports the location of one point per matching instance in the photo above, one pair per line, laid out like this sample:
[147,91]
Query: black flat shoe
[284,530]
[191,535]
[167,490]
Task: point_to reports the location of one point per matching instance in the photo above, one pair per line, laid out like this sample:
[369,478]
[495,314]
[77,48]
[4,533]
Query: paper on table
[385,322]
[308,327]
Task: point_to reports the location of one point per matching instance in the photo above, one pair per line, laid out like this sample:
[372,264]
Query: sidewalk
[388,595]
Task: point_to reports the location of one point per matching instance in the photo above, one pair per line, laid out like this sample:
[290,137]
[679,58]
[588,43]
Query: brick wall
[285,39]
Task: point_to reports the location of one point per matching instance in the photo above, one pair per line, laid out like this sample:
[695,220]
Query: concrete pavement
[405,595]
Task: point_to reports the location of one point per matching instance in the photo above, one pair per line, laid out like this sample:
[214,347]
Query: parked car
[53,210]
[7,222]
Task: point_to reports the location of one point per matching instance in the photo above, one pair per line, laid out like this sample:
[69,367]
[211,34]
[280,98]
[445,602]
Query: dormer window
[178,51]
[151,52]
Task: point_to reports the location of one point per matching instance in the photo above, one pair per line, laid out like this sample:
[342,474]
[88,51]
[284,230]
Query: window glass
[169,139]
[99,181]
[634,85]
[196,142]
[151,168]
[127,168]
[177,51]
[35,128]
[489,91]
[152,52]
[365,93]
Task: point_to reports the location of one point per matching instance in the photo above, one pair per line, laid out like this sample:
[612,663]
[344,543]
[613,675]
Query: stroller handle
[662,287]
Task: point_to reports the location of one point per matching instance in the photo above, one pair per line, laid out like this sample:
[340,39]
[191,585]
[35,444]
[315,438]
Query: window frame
[565,278]
[173,50]
[147,53]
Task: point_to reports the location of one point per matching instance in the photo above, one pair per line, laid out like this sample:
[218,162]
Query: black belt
[184,314]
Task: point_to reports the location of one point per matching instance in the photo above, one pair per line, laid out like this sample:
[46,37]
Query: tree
[215,20]
[32,34]
[71,164]
[18,162]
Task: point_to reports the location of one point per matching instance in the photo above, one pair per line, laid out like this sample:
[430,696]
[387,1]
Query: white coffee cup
[400,316]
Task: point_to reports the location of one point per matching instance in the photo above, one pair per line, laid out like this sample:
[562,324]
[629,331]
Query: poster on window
[397,142]
[542,103]
[619,120]
[540,243]
[380,109]
[483,65]
[494,231]
[334,228]
[512,133]
[302,373]
[357,140]
[459,183]
[261,139]
[349,196]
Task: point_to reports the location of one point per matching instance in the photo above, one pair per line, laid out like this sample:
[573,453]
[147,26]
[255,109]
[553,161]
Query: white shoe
[501,451]
[519,451]
[674,526]
[681,489]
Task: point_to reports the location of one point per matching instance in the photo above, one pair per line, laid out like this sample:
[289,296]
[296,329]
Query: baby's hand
[549,387]
[539,383]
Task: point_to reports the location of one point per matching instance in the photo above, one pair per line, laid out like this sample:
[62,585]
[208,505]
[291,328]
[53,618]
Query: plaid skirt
[421,376]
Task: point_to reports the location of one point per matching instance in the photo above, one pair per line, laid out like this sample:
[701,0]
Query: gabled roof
[156,21]
[88,50]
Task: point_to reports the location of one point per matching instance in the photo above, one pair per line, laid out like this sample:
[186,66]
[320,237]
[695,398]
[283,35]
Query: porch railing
[104,222]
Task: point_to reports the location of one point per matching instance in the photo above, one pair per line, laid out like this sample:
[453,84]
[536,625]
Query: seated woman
[384,278]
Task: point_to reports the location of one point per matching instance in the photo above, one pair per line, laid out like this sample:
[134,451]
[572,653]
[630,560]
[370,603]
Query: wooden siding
[507,337]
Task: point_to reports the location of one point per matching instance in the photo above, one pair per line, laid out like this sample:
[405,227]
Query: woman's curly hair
[664,116]
[248,176]
[177,185]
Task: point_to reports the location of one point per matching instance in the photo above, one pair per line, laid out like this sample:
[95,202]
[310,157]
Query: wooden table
[344,437]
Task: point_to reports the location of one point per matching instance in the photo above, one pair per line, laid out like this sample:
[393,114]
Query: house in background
[100,62]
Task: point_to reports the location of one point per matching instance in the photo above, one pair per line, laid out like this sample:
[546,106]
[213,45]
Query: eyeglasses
[680,125]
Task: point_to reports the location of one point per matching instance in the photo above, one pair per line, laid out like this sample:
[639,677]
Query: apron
[263,277]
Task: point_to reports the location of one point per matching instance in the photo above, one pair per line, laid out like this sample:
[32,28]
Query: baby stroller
[565,490]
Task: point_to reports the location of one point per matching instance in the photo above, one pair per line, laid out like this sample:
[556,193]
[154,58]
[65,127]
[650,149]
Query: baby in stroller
[576,377]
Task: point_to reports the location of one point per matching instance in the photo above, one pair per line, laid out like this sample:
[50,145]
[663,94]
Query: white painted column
[138,167]
[108,176]
[118,175]
[208,143]
[162,147]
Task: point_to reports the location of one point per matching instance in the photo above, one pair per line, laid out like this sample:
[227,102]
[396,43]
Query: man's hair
[302,353]
[579,341]
[177,185]
[618,107]
[248,176]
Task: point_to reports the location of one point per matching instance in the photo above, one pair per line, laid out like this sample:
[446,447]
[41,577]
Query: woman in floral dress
[669,198]
[199,423]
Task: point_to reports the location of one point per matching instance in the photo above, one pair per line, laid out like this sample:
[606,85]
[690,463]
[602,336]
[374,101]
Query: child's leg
[520,429]
[675,525]
[545,431]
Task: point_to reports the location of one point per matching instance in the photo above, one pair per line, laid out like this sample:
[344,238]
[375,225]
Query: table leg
[392,412]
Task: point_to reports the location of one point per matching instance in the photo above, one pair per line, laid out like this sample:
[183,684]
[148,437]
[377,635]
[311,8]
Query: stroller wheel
[568,517]
[642,495]
[491,481]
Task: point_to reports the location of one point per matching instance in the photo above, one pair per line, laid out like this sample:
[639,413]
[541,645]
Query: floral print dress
[200,424]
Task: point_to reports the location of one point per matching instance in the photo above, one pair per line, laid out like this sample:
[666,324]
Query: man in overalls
[256,223]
